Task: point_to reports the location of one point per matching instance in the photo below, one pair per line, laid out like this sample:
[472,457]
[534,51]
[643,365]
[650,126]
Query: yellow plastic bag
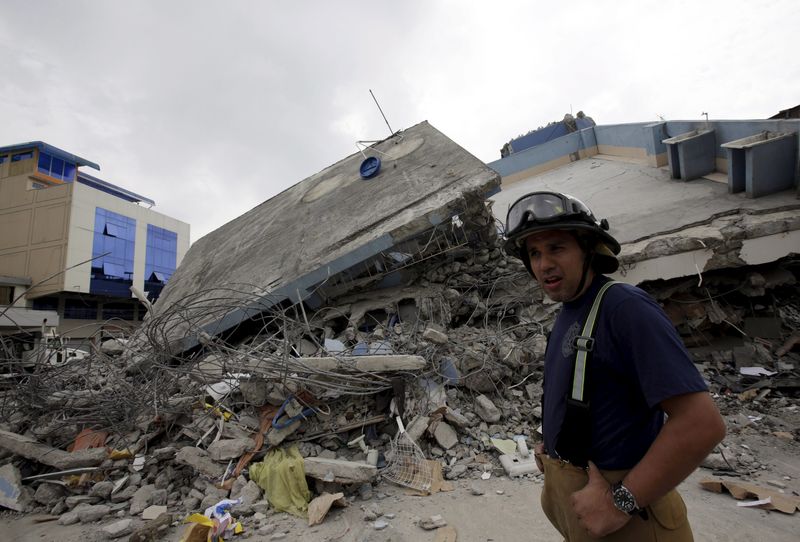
[190,536]
[282,476]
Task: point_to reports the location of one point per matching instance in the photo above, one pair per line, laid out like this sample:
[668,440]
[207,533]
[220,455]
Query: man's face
[557,262]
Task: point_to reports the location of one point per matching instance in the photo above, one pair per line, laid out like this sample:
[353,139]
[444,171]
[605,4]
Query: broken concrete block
[112,347]
[124,494]
[164,479]
[435,335]
[455,471]
[91,514]
[254,391]
[237,486]
[118,529]
[153,511]
[276,436]
[478,381]
[68,518]
[199,461]
[11,494]
[226,449]
[48,494]
[249,494]
[433,522]
[141,499]
[153,530]
[341,472]
[158,496]
[486,409]
[417,427]
[456,418]
[59,508]
[515,465]
[445,435]
[102,489]
[715,462]
[30,448]
[164,454]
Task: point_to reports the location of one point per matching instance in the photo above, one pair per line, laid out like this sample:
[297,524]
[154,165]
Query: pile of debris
[430,378]
[457,355]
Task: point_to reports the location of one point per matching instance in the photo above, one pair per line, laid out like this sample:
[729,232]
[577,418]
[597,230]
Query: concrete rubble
[453,344]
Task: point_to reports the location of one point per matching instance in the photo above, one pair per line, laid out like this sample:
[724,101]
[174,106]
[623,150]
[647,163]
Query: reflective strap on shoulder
[585,344]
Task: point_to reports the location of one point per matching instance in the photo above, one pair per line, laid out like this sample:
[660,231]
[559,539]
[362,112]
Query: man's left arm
[692,430]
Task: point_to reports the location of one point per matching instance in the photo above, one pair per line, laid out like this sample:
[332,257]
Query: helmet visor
[542,207]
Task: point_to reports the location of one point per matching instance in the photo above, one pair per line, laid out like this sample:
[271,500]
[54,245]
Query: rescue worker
[626,415]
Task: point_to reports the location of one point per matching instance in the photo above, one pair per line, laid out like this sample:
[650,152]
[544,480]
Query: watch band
[625,501]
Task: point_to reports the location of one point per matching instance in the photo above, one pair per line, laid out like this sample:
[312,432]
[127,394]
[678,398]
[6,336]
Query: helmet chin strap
[587,264]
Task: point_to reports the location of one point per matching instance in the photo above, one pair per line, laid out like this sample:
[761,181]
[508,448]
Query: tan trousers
[667,521]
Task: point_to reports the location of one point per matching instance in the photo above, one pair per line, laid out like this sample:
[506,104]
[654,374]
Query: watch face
[624,500]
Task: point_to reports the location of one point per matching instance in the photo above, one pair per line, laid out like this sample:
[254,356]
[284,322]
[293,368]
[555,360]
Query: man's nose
[545,262]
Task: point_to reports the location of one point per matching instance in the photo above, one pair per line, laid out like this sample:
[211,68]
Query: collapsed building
[377,289]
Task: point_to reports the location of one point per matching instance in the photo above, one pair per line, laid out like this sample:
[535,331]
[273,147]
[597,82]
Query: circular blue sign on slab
[370,167]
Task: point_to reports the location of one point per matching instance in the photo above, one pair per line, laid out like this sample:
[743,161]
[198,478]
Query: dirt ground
[507,511]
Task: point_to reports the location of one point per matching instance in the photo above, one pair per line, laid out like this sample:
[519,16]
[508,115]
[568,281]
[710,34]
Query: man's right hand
[537,451]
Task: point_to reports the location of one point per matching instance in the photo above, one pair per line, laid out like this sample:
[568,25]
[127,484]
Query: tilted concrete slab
[323,225]
[670,228]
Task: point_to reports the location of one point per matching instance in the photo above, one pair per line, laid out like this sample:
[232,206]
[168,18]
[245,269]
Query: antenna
[391,132]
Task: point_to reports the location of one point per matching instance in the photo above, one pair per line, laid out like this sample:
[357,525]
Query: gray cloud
[211,108]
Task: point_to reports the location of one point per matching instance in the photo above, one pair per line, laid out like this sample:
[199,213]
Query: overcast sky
[211,108]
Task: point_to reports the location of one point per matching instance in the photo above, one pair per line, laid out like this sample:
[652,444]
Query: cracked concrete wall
[727,241]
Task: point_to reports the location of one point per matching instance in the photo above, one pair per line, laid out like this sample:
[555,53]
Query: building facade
[73,245]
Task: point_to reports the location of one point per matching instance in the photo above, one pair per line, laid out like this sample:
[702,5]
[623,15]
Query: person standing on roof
[626,415]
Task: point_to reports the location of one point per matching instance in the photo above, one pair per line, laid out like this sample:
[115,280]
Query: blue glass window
[111,230]
[22,156]
[78,309]
[45,304]
[113,249]
[44,162]
[69,171]
[160,259]
[125,311]
[56,167]
[113,270]
[3,158]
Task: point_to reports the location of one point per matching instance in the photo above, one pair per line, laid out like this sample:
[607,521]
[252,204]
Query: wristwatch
[624,499]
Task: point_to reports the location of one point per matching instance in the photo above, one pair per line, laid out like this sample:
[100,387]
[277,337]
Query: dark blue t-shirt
[638,361]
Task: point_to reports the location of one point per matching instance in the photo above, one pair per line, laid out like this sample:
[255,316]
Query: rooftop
[682,197]
[54,151]
[641,201]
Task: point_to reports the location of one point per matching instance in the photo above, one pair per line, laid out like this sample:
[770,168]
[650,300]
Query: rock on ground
[118,529]
[486,409]
[226,449]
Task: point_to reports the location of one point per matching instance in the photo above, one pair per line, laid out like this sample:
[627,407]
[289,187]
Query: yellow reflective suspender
[584,344]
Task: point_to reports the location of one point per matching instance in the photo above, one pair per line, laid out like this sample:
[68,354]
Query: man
[611,458]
